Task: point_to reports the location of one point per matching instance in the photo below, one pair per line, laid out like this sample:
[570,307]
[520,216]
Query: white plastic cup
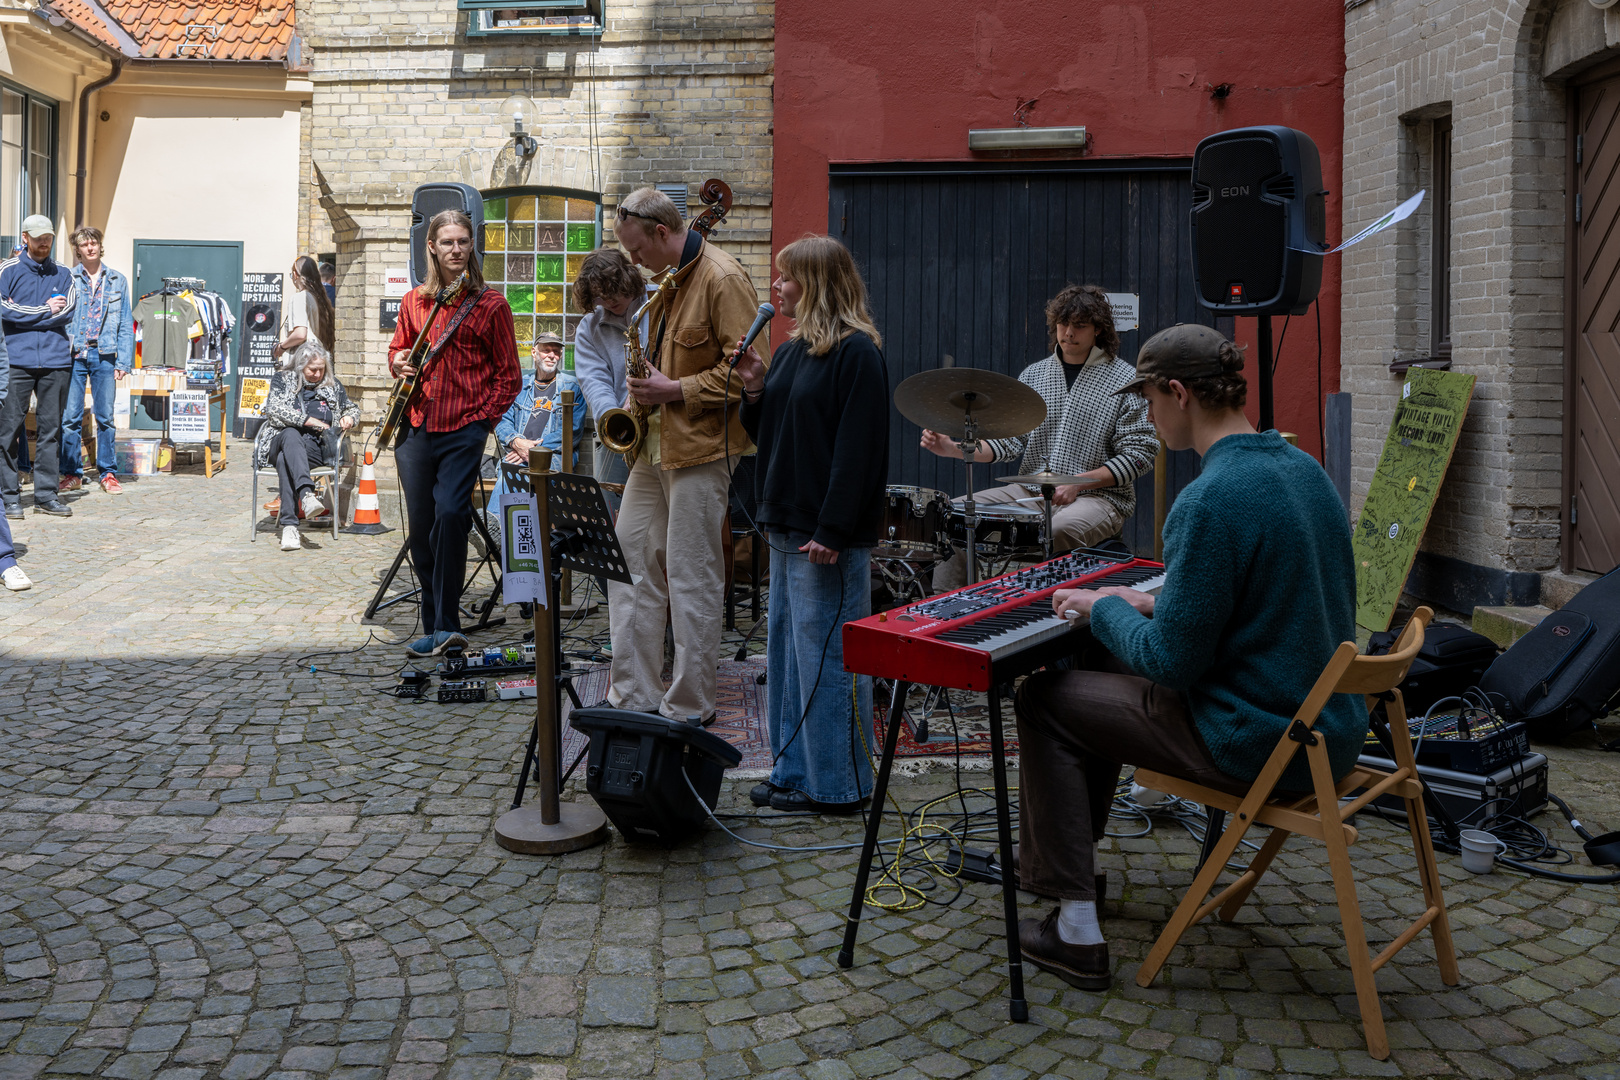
[1479,850]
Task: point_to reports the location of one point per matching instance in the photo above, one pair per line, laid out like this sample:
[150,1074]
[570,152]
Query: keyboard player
[1201,681]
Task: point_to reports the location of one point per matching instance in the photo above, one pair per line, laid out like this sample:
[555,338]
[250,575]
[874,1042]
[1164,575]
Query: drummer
[1100,438]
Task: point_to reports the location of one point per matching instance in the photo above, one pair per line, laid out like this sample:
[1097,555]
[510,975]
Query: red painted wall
[904,80]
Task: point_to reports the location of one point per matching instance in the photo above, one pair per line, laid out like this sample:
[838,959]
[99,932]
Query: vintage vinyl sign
[1422,436]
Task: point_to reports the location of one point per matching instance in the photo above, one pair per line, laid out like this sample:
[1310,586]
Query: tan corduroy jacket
[713,306]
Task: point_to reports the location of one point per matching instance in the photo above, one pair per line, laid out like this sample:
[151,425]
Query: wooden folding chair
[1323,817]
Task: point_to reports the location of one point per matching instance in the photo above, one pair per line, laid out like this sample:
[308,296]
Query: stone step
[1505,625]
[1559,588]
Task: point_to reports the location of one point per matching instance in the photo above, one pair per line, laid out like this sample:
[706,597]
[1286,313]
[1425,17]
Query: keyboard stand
[1003,672]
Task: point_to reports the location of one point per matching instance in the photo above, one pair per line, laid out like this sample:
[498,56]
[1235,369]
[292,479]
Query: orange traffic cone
[367,513]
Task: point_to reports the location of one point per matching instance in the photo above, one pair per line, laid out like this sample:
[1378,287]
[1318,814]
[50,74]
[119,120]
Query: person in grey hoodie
[607,288]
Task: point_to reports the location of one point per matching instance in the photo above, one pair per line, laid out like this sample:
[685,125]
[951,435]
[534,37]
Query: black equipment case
[1453,658]
[1565,673]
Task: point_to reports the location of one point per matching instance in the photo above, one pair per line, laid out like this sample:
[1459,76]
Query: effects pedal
[461,690]
[412,684]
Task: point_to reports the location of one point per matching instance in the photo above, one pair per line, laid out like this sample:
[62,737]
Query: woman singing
[821,421]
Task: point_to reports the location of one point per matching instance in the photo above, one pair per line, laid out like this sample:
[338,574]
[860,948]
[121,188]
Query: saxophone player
[670,519]
[607,288]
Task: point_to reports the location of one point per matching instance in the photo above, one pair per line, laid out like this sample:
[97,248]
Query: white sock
[1077,922]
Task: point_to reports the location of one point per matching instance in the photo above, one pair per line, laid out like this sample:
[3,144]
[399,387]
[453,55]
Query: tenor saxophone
[624,430]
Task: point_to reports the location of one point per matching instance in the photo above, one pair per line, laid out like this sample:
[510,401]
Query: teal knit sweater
[1260,588]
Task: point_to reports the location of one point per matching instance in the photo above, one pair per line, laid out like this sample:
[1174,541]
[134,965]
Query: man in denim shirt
[103,341]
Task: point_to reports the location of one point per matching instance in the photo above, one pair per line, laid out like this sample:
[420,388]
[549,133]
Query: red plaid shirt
[475,377]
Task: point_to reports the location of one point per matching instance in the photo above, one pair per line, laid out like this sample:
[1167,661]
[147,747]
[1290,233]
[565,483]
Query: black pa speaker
[1258,221]
[429,199]
[638,770]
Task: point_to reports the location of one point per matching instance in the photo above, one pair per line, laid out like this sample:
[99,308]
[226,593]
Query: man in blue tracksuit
[11,575]
[37,298]
[102,339]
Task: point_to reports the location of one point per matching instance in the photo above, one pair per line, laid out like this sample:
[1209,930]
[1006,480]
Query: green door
[218,262]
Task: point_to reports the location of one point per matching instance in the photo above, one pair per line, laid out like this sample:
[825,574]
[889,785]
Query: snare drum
[1002,527]
[915,524]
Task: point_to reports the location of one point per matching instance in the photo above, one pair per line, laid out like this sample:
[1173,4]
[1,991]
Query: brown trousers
[1076,730]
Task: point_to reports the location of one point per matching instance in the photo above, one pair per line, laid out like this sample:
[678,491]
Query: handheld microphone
[766,314]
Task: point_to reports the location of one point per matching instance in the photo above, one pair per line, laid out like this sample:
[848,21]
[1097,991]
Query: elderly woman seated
[304,412]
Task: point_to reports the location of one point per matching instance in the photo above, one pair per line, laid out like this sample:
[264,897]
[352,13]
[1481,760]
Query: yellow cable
[910,896]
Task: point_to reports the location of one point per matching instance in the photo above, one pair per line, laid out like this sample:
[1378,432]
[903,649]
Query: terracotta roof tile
[85,18]
[223,30]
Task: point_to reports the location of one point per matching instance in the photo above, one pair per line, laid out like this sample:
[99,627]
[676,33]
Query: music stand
[574,517]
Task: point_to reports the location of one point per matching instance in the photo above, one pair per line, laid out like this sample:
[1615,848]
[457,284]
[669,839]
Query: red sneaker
[70,483]
[111,486]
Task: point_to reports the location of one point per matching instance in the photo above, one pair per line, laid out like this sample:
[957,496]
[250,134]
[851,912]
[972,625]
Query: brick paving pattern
[216,864]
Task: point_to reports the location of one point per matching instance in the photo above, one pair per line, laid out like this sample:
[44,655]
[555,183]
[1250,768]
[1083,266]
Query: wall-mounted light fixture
[516,109]
[1027,138]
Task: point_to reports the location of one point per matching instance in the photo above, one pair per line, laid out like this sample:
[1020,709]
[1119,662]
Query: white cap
[38,225]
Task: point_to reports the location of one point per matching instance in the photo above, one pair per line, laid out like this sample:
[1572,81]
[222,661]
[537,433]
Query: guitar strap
[455,320]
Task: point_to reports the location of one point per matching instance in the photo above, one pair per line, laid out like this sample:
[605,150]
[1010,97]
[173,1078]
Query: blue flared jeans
[821,734]
[98,372]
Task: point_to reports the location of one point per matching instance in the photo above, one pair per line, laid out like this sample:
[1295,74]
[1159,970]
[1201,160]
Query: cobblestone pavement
[216,864]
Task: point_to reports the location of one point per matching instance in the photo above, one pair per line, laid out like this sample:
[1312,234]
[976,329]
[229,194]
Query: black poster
[256,364]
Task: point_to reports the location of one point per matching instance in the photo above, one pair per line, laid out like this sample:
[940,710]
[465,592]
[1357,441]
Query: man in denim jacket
[103,341]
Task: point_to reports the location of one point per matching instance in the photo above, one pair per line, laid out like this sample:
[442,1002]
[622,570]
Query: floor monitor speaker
[635,769]
[1258,221]
[430,199]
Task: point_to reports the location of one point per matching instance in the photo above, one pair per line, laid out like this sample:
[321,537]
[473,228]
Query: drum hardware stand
[578,530]
[1047,492]
[970,509]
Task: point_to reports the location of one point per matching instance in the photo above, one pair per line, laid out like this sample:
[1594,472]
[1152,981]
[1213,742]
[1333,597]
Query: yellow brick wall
[679,92]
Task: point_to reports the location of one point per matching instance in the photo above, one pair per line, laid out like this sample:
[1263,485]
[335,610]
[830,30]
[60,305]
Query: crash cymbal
[1042,478]
[943,399]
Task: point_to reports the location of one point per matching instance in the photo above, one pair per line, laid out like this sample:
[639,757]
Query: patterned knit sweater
[1087,426]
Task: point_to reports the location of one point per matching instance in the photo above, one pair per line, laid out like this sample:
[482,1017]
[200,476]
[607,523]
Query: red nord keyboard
[955,639]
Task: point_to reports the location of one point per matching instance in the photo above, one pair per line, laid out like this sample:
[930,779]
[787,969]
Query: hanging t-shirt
[168,323]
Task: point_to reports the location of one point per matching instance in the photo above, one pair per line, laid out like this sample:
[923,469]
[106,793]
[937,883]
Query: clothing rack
[196,283]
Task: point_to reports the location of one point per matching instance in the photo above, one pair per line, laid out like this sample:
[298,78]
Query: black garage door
[961,260]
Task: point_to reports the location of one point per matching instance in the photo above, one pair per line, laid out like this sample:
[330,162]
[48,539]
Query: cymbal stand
[1047,492]
[970,509]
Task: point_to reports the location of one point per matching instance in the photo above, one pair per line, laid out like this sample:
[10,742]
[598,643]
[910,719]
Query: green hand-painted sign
[1422,436]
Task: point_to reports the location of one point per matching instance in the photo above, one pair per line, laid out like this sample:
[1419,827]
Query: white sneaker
[312,505]
[15,580]
[290,540]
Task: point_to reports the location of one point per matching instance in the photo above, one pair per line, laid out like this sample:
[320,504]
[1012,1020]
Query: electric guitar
[405,388]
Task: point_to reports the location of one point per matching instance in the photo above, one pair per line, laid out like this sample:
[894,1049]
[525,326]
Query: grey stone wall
[1498,68]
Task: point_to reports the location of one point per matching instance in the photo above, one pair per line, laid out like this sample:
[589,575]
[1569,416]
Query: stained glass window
[535,240]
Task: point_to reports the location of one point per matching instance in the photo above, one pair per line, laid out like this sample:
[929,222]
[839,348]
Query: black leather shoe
[55,508]
[785,799]
[1102,880]
[1084,967]
[761,795]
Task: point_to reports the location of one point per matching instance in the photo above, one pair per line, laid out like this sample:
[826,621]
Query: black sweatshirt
[822,428]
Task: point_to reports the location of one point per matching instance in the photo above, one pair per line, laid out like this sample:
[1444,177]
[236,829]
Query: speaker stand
[1268,418]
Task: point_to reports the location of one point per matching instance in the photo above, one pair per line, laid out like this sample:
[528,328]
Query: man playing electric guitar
[468,383]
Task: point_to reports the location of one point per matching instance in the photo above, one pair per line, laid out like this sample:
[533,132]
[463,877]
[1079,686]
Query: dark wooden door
[961,260]
[1594,459]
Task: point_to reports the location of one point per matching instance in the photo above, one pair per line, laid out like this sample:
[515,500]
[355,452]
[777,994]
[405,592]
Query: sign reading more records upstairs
[1422,437]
